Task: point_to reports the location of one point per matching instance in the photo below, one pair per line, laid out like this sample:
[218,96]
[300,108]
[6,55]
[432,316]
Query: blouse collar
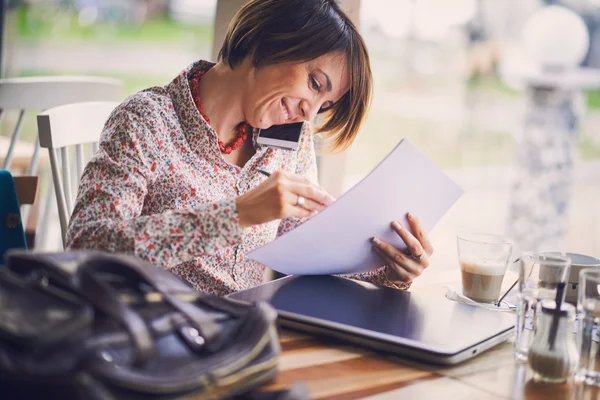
[199,134]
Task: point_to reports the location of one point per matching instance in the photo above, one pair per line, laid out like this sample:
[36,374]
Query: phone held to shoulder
[284,136]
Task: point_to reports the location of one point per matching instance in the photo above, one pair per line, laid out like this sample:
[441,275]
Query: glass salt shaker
[553,353]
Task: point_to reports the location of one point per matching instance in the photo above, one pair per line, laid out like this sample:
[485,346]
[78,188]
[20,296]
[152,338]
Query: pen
[265,173]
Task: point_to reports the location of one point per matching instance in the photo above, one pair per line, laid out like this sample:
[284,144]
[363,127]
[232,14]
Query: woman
[175,179]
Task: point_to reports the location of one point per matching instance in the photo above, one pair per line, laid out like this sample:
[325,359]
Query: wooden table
[334,370]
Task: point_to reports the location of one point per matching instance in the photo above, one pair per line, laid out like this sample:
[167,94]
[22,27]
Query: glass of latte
[483,259]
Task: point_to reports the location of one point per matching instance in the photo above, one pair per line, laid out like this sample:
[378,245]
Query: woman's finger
[290,209]
[305,181]
[308,204]
[399,258]
[422,262]
[401,273]
[293,211]
[413,245]
[312,205]
[419,233]
[310,192]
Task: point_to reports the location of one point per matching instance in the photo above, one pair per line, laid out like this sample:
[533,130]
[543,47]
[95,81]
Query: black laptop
[424,326]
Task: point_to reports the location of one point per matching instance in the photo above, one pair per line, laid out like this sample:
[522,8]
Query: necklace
[242,129]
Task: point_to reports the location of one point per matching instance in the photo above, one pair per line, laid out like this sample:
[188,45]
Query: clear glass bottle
[553,359]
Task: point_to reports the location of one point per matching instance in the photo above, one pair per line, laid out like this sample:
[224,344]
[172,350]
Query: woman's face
[291,92]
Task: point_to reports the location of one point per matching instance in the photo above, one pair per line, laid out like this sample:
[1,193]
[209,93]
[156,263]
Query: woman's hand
[281,195]
[405,267]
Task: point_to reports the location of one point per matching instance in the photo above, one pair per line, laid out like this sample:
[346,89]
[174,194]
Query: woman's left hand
[404,267]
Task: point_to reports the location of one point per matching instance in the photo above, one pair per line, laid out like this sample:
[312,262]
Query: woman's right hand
[277,198]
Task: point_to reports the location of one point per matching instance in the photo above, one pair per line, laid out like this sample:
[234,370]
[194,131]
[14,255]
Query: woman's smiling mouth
[285,112]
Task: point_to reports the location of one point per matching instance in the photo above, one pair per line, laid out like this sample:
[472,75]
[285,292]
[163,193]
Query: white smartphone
[284,136]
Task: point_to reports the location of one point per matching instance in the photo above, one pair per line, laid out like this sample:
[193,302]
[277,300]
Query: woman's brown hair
[277,31]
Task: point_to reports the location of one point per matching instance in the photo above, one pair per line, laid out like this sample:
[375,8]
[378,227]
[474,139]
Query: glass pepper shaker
[553,353]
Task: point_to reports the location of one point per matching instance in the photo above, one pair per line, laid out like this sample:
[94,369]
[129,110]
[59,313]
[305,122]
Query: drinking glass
[539,276]
[483,260]
[588,305]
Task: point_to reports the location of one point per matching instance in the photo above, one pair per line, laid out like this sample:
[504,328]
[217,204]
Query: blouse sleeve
[379,277]
[307,167]
[107,213]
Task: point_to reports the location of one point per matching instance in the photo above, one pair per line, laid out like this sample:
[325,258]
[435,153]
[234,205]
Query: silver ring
[300,202]
[418,258]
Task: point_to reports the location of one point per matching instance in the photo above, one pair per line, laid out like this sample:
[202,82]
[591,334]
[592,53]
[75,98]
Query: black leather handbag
[101,326]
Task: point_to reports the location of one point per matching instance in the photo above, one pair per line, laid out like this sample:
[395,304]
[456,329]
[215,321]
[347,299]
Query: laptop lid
[422,322]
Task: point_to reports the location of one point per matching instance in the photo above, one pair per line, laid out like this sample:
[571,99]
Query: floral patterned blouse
[158,188]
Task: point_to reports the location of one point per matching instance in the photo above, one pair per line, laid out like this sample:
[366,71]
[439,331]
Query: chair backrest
[43,92]
[72,125]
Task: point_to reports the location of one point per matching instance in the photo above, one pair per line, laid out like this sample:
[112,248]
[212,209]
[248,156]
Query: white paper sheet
[338,239]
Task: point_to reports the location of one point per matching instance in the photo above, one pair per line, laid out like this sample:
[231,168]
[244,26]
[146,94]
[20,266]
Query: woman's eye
[315,84]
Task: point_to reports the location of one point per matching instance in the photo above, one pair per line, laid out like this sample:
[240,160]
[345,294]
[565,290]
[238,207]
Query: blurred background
[441,81]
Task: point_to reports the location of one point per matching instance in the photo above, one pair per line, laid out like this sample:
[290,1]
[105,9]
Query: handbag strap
[151,275]
[105,298]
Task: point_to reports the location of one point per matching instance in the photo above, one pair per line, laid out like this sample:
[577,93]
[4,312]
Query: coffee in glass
[483,259]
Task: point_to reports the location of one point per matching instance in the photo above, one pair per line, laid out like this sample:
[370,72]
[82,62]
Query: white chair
[43,92]
[61,127]
[37,94]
